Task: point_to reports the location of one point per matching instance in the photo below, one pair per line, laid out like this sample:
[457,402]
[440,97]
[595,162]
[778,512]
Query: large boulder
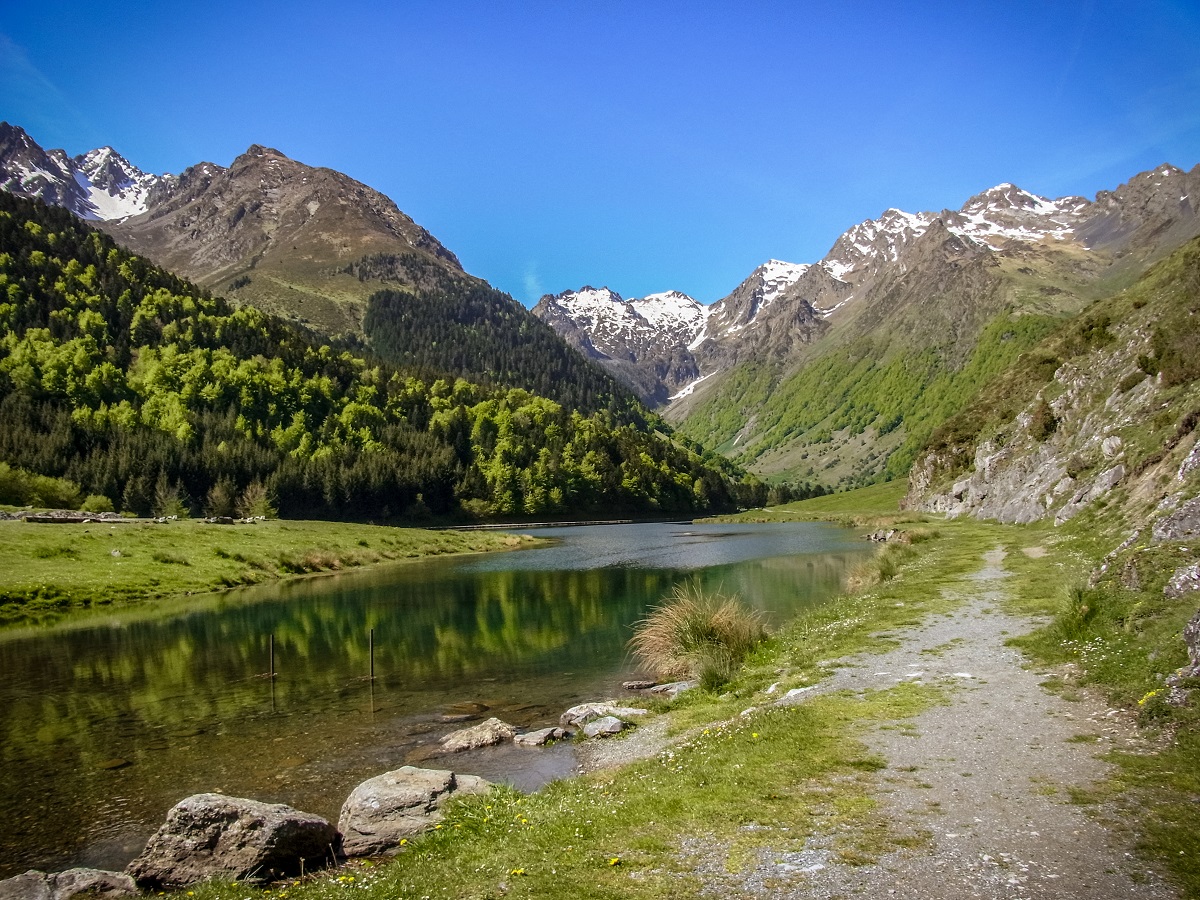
[384,810]
[97,884]
[541,737]
[603,727]
[214,836]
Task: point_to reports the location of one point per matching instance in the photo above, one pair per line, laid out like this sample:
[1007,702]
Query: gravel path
[984,781]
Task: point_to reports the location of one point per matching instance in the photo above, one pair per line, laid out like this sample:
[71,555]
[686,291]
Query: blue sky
[645,146]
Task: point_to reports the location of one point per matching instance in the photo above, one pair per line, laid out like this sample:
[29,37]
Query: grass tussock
[882,567]
[697,635]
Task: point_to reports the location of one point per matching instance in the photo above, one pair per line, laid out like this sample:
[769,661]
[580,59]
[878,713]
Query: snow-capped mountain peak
[1006,212]
[875,241]
[115,188]
[98,185]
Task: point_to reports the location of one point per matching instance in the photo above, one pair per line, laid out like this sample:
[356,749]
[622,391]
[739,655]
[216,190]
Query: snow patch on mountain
[691,386]
[1006,212]
[115,188]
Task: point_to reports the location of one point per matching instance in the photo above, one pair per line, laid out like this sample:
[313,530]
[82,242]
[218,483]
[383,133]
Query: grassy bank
[50,568]
[858,507]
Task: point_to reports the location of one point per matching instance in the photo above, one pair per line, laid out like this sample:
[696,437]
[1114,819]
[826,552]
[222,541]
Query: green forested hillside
[147,390]
[462,325]
[860,412]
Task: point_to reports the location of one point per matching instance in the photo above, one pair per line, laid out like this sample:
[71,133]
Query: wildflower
[754,734]
[516,871]
[615,861]
[1149,696]
[403,841]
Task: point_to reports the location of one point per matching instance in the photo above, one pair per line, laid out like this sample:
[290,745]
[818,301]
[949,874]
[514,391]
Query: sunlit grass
[51,569]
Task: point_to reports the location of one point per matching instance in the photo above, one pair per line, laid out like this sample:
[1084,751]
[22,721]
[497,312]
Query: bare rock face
[1179,691]
[485,734]
[211,835]
[96,884]
[384,810]
[1181,525]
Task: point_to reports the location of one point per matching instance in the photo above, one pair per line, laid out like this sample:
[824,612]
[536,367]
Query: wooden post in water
[271,643]
[372,654]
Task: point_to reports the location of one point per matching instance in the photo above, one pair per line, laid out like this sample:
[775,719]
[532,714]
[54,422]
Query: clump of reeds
[700,635]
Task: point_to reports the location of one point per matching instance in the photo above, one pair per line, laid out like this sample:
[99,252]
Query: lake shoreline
[53,570]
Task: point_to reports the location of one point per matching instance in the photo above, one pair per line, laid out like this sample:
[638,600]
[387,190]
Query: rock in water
[580,715]
[97,884]
[211,835]
[387,808]
[485,734]
[541,737]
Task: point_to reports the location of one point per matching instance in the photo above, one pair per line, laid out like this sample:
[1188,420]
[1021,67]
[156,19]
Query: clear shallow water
[106,722]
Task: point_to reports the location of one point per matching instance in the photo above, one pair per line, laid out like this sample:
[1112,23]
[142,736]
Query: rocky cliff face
[1114,423]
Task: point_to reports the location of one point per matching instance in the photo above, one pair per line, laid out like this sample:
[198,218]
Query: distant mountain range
[665,345]
[909,295]
[836,371]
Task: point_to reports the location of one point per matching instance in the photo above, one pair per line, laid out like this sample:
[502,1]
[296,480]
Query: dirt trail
[986,780]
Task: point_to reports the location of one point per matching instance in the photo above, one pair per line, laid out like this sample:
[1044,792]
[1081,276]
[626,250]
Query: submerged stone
[485,734]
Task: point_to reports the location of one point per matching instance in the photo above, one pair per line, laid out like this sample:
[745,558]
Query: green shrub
[1043,422]
[697,635]
[96,503]
[255,501]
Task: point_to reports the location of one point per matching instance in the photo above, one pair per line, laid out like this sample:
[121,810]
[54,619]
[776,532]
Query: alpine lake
[108,719]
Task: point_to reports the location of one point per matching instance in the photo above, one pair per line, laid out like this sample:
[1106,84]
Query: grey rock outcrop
[578,716]
[603,726]
[211,835]
[96,884]
[1179,693]
[485,734]
[541,737]
[388,808]
[1181,525]
[1183,581]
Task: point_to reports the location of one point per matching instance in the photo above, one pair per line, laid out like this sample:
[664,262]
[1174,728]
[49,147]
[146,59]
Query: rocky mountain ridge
[870,262]
[99,186]
[310,244]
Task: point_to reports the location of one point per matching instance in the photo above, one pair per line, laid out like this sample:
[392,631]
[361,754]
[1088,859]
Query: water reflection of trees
[74,698]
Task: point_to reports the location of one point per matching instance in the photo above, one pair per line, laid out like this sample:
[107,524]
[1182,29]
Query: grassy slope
[858,412]
[51,568]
